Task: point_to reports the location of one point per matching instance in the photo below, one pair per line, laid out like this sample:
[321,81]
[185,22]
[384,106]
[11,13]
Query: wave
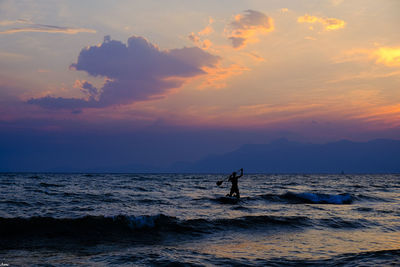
[302,198]
[310,198]
[149,228]
[130,228]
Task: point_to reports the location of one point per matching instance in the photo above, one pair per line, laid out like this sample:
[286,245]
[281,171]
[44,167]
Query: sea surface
[183,220]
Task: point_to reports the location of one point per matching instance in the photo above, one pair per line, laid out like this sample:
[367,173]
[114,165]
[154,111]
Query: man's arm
[241,173]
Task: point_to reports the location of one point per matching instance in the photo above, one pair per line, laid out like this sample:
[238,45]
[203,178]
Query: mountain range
[283,156]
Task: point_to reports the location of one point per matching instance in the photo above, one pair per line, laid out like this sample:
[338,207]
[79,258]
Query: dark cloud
[237,41]
[88,89]
[136,71]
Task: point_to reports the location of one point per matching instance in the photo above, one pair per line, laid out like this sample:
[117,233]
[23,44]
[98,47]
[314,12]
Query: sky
[91,83]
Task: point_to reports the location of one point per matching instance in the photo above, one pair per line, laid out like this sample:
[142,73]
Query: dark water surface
[180,219]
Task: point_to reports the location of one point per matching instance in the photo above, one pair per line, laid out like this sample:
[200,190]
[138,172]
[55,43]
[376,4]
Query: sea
[184,220]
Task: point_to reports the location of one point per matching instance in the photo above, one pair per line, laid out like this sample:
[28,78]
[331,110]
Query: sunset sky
[176,77]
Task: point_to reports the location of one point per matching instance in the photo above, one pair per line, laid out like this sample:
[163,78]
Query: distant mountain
[283,156]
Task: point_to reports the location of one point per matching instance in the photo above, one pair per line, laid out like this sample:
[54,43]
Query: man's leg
[237,193]
[232,191]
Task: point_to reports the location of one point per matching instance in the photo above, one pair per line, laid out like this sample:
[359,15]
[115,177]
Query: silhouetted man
[234,180]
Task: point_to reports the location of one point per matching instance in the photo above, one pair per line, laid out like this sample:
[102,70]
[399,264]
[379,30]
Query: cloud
[196,38]
[48,29]
[12,22]
[245,27]
[237,42]
[329,24]
[29,26]
[256,57]
[88,89]
[205,44]
[389,56]
[135,71]
[218,75]
[50,102]
[208,29]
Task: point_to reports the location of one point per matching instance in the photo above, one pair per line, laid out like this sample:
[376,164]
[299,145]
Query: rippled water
[164,219]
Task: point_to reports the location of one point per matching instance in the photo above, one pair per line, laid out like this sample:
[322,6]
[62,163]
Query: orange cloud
[216,76]
[388,56]
[205,44]
[195,38]
[250,115]
[208,29]
[245,27]
[390,115]
[329,24]
[262,109]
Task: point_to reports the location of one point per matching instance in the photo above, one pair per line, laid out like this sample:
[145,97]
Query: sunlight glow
[388,56]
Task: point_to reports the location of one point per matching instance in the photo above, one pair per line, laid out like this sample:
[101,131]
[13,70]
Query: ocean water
[182,220]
